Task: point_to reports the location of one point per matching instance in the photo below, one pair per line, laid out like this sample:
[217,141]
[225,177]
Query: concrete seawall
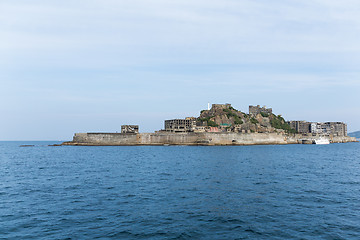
[164,138]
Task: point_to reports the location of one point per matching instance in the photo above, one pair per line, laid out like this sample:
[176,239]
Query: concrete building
[300,126]
[221,106]
[326,128]
[340,128]
[334,128]
[316,128]
[180,125]
[130,129]
[198,129]
[216,108]
[255,110]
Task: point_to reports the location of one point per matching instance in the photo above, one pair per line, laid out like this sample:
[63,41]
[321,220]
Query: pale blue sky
[83,66]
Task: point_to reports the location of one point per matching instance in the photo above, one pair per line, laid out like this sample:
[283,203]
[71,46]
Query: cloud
[236,25]
[153,53]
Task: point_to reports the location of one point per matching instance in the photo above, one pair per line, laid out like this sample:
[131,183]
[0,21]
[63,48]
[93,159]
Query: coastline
[197,139]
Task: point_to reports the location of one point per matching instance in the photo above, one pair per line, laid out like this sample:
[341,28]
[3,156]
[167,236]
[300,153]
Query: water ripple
[172,192]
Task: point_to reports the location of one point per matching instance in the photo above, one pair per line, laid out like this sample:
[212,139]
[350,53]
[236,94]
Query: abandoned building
[330,128]
[218,107]
[255,110]
[300,126]
[221,106]
[130,129]
[326,128]
[264,125]
[180,125]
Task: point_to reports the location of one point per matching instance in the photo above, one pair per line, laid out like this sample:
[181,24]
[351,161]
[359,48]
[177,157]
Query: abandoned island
[223,125]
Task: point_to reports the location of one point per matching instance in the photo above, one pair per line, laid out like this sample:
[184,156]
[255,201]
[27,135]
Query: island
[223,125]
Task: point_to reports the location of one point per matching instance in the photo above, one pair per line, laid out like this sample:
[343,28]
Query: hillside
[355,134]
[225,117]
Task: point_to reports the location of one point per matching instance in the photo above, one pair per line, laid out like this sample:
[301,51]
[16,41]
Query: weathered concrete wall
[309,139]
[343,139]
[105,138]
[211,138]
[195,139]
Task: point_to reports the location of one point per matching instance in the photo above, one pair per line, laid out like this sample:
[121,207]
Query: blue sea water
[179,192]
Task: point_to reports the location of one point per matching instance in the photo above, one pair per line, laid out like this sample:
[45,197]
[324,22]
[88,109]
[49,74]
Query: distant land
[355,134]
[224,125]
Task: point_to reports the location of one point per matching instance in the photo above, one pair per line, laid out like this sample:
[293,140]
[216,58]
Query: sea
[179,192]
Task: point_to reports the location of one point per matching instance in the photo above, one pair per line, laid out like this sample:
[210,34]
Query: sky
[92,65]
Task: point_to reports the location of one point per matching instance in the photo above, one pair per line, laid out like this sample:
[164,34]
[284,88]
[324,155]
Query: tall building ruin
[180,125]
[325,128]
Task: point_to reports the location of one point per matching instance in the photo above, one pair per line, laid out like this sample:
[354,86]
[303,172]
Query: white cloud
[214,50]
[236,25]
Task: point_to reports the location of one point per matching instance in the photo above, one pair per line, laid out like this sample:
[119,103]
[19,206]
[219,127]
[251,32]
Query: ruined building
[326,128]
[255,110]
[180,125]
[218,107]
[224,118]
[330,128]
[130,129]
[300,126]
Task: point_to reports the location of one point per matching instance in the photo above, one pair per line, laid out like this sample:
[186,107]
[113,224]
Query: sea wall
[309,138]
[163,138]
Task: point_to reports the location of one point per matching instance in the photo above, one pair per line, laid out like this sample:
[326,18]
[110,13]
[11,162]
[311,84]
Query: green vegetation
[238,118]
[279,123]
[238,121]
[264,114]
[205,119]
[229,114]
[227,110]
[254,121]
[209,122]
[212,124]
